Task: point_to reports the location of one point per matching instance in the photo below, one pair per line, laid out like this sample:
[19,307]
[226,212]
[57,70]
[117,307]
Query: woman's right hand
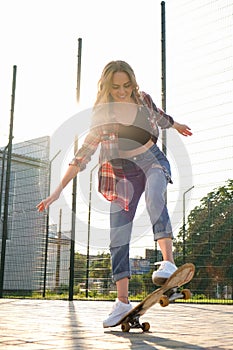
[45,203]
[69,175]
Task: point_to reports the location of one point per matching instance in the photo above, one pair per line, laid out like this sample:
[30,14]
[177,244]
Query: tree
[100,268]
[209,240]
[79,268]
[136,285]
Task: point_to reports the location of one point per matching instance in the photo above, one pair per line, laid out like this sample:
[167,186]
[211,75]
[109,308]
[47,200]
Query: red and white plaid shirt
[107,136]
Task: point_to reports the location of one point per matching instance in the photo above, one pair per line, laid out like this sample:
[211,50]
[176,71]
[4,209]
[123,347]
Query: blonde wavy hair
[105,82]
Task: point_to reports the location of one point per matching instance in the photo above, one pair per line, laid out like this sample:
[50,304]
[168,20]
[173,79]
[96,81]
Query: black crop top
[137,134]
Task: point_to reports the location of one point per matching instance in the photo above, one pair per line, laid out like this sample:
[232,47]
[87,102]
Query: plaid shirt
[107,136]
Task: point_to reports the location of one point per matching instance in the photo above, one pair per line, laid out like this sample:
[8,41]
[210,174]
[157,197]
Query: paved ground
[56,324]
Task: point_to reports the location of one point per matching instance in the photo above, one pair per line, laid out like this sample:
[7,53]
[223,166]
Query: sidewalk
[55,324]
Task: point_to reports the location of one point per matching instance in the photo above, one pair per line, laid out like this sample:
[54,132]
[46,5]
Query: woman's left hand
[182,129]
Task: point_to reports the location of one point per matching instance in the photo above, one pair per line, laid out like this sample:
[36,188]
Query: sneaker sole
[159,281]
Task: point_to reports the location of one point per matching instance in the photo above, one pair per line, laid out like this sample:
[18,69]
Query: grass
[93,295]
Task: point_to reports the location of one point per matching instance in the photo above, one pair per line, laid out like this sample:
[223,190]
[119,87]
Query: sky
[41,39]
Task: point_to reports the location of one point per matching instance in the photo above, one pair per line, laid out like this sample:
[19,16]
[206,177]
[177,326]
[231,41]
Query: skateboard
[168,292]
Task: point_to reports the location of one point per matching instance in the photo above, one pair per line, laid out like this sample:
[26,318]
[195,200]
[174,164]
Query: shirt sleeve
[163,120]
[90,145]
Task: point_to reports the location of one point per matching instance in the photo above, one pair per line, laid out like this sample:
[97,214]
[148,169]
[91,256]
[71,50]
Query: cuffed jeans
[149,172]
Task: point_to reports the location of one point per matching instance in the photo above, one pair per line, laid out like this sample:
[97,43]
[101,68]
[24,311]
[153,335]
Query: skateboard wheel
[164,301]
[145,326]
[125,327]
[186,294]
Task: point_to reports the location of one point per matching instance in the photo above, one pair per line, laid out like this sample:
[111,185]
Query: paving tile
[64,325]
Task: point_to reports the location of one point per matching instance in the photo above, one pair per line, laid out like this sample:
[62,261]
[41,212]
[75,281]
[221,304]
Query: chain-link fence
[37,260]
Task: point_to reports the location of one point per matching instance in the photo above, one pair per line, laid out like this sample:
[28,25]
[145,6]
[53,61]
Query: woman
[125,122]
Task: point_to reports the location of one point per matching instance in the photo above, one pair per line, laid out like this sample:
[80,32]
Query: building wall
[25,244]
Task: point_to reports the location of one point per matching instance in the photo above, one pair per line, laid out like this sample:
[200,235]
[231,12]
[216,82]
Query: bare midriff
[135,152]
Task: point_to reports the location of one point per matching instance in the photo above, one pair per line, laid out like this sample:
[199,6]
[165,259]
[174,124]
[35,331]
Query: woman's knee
[156,184]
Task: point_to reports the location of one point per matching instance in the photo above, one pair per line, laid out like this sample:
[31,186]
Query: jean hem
[121,275]
[160,235]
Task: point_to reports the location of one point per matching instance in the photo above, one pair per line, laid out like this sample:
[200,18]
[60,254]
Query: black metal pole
[163,73]
[74,193]
[2,178]
[7,188]
[79,69]
[163,90]
[73,220]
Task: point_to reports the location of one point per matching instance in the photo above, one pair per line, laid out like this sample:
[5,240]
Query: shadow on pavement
[148,341]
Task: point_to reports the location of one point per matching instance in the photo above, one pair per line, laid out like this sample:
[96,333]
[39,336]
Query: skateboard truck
[173,294]
[134,323]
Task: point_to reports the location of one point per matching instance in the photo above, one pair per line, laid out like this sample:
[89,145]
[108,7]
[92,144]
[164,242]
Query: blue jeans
[149,172]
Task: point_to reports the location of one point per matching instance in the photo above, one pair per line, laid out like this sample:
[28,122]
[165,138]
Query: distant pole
[58,263]
[163,67]
[79,69]
[210,221]
[47,229]
[184,225]
[7,187]
[73,221]
[89,232]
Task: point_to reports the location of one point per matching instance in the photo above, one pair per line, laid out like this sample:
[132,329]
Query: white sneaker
[118,311]
[165,270]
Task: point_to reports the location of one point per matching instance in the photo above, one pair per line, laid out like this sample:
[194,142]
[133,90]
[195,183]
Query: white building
[25,244]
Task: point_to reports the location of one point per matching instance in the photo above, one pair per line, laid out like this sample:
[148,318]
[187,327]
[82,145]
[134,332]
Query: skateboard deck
[169,291]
